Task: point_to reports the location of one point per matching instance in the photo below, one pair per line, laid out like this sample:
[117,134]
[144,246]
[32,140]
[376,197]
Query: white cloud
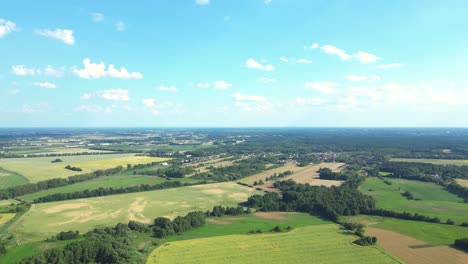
[115,94]
[64,35]
[363,78]
[151,104]
[323,86]
[120,26]
[122,73]
[253,64]
[50,71]
[22,70]
[361,56]
[86,96]
[111,94]
[168,88]
[203,85]
[308,101]
[303,61]
[388,66]
[202,2]
[221,85]
[284,59]
[94,109]
[250,103]
[47,85]
[97,17]
[350,100]
[14,91]
[266,80]
[6,27]
[35,108]
[249,97]
[95,71]
[365,57]
[329,49]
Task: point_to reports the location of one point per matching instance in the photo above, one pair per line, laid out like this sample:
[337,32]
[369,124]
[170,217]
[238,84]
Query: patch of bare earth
[413,251]
[280,216]
[218,221]
[462,182]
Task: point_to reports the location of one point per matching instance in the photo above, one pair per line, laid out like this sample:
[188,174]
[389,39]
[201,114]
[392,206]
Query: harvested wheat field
[414,251]
[462,182]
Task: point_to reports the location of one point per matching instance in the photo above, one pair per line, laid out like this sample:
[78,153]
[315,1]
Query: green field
[433,161]
[121,180]
[161,147]
[86,214]
[5,218]
[435,201]
[39,169]
[434,234]
[50,150]
[10,178]
[311,244]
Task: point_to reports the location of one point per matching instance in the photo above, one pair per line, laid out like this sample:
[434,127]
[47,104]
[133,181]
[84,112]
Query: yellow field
[307,174]
[5,218]
[311,244]
[221,162]
[39,169]
[433,161]
[463,182]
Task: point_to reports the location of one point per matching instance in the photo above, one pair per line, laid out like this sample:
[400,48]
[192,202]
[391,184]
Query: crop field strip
[414,251]
[434,161]
[41,168]
[86,214]
[307,174]
[317,244]
[435,201]
[10,178]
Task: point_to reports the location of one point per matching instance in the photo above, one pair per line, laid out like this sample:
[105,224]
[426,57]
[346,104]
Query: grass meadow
[86,214]
[434,200]
[10,179]
[311,244]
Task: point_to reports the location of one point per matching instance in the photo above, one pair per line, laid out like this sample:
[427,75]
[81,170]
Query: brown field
[413,251]
[463,182]
[279,216]
[306,174]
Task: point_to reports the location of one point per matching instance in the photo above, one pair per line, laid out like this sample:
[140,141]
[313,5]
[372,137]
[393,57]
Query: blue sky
[233,63]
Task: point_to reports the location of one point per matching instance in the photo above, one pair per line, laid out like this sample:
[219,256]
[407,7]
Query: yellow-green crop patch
[311,244]
[39,169]
[86,214]
[5,218]
[433,161]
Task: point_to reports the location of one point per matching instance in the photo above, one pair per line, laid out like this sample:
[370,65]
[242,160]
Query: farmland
[434,161]
[432,233]
[44,169]
[10,178]
[462,182]
[307,174]
[319,244]
[86,214]
[432,200]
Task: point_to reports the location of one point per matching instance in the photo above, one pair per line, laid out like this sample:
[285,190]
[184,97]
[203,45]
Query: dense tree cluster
[326,202]
[328,174]
[20,190]
[108,245]
[164,227]
[461,243]
[67,235]
[403,215]
[69,167]
[171,172]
